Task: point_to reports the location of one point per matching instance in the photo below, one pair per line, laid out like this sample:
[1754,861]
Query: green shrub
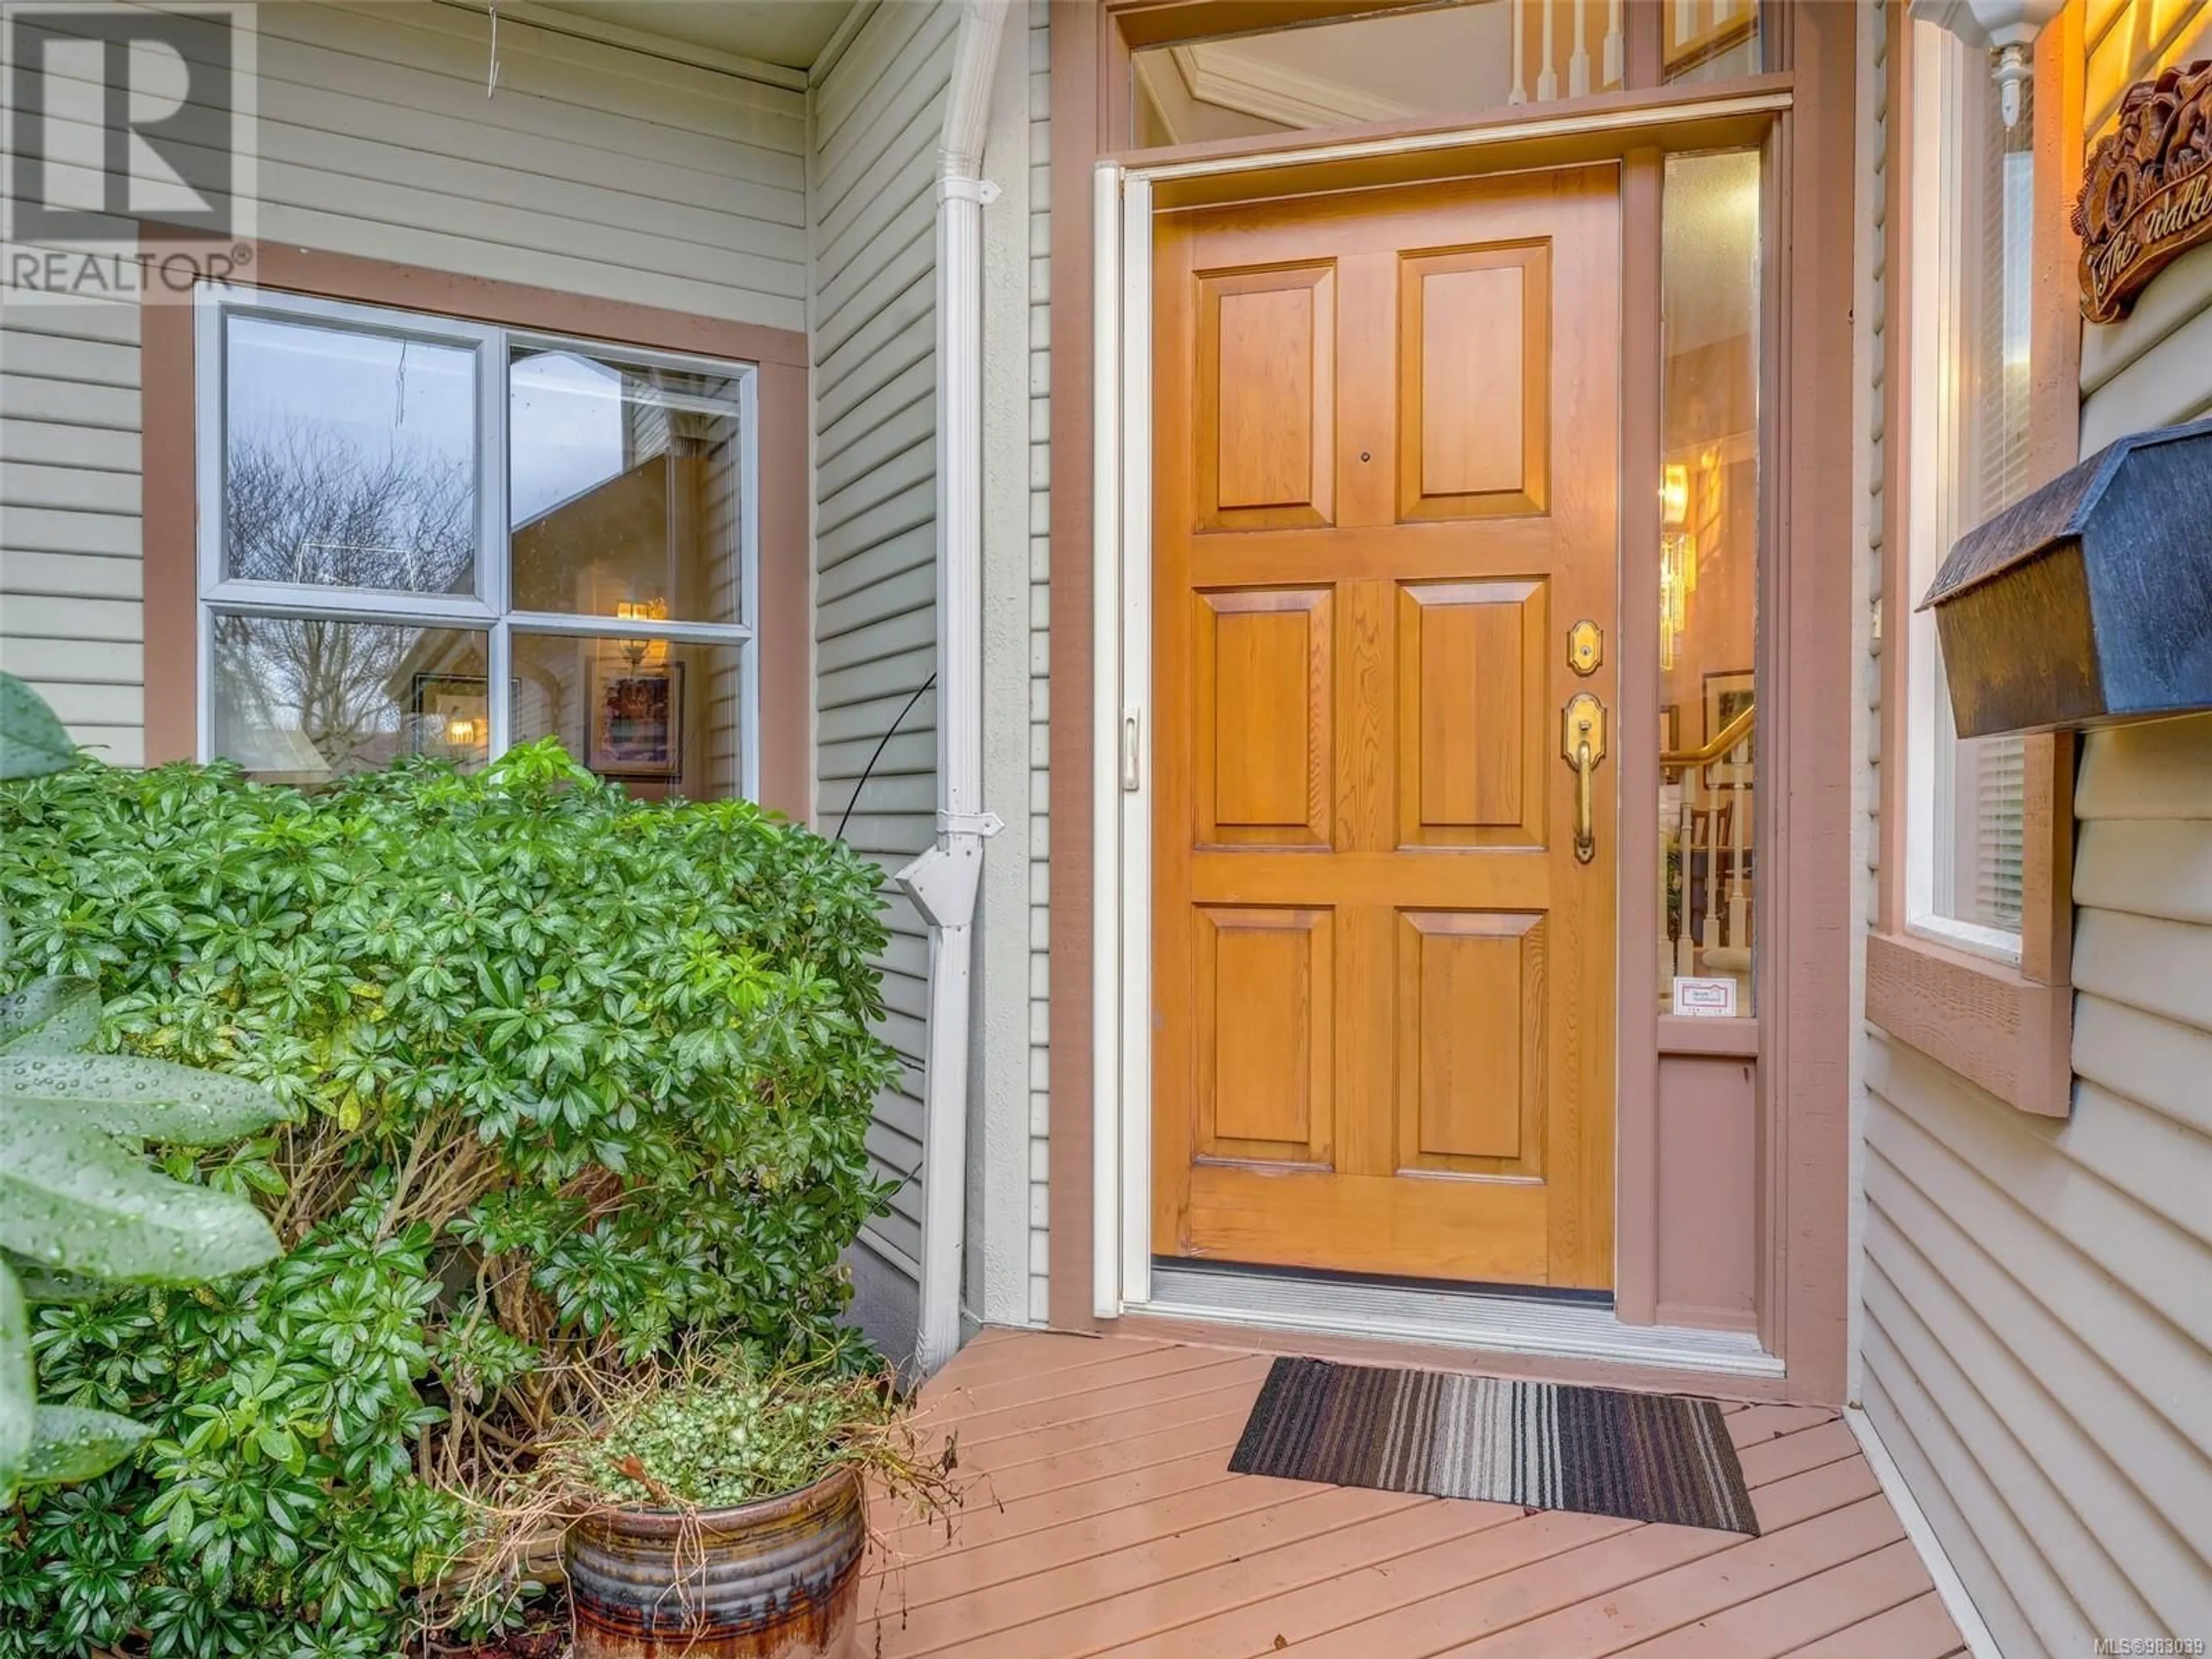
[79,1209]
[570,1077]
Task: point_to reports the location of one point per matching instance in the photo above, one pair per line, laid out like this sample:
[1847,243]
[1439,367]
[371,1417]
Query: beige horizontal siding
[2131,40]
[2037,1306]
[878,118]
[2155,367]
[591,169]
[71,617]
[2038,1329]
[2151,370]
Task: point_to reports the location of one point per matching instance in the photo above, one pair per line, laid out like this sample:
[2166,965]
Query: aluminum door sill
[1530,1325]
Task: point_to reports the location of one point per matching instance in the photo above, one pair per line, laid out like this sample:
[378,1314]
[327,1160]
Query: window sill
[1968,939]
[1736,1038]
[1986,1020]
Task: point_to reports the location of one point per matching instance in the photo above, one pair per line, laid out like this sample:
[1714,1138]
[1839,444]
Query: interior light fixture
[638,653]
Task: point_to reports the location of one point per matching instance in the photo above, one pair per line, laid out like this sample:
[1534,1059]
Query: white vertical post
[1548,73]
[1519,10]
[1615,48]
[748,587]
[1106,739]
[1579,65]
[943,881]
[1135,876]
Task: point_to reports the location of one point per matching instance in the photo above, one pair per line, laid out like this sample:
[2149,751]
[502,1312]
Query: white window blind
[1989,805]
[1974,184]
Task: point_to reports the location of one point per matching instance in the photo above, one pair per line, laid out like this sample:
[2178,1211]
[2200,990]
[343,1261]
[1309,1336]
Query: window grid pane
[624,488]
[350,459]
[664,717]
[304,700]
[356,512]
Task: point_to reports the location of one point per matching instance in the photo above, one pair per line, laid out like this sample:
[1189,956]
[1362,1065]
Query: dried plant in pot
[712,1508]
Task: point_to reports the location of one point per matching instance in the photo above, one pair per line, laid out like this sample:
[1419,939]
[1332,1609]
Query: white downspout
[943,881]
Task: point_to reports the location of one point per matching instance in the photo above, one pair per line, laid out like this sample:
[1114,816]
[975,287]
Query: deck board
[1100,1518]
[1919,1629]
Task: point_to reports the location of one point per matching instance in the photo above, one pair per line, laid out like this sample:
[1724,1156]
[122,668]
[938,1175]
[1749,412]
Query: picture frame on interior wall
[450,713]
[1728,692]
[636,728]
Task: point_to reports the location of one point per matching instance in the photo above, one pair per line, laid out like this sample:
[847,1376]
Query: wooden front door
[1384,982]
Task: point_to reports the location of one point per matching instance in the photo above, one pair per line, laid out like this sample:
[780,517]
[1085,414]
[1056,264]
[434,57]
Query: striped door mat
[1545,1445]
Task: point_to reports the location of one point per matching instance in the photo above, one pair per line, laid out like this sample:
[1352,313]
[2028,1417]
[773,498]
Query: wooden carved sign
[2147,193]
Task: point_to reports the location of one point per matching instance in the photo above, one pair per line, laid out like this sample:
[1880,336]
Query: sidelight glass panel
[1711,738]
[623,489]
[1461,58]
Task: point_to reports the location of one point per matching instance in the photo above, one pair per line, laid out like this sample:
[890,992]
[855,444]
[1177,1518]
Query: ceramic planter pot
[778,1579]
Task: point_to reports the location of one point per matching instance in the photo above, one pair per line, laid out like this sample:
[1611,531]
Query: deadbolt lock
[1585,647]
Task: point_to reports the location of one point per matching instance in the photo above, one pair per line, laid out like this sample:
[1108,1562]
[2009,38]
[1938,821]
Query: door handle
[1582,746]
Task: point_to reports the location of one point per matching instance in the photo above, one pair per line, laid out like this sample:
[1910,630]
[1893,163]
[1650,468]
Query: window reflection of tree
[303,506]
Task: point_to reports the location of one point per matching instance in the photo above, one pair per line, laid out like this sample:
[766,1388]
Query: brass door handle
[1582,746]
[1585,832]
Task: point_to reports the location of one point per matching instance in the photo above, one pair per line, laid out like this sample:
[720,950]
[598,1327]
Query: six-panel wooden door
[1386,428]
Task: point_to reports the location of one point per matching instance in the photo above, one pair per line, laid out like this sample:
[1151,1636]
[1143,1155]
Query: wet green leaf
[18,1388]
[32,741]
[69,1443]
[41,1285]
[49,1016]
[74,1200]
[138,1099]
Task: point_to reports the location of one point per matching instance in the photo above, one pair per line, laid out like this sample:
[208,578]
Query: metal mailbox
[2090,601]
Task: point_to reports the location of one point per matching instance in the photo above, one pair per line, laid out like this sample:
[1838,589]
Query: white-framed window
[1972,189]
[421,535]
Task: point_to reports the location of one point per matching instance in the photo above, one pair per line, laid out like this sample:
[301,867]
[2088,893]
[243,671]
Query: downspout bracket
[956,187]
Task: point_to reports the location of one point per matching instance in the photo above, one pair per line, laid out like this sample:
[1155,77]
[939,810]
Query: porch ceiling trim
[579,27]
[1639,116]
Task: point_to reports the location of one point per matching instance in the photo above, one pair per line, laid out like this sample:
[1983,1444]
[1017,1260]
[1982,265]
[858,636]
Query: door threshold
[1549,1328]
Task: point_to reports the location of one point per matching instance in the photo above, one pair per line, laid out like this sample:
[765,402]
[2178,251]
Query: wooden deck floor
[1100,1518]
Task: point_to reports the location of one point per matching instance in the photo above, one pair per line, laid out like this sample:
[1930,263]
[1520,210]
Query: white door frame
[1122,643]
[1121,748]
